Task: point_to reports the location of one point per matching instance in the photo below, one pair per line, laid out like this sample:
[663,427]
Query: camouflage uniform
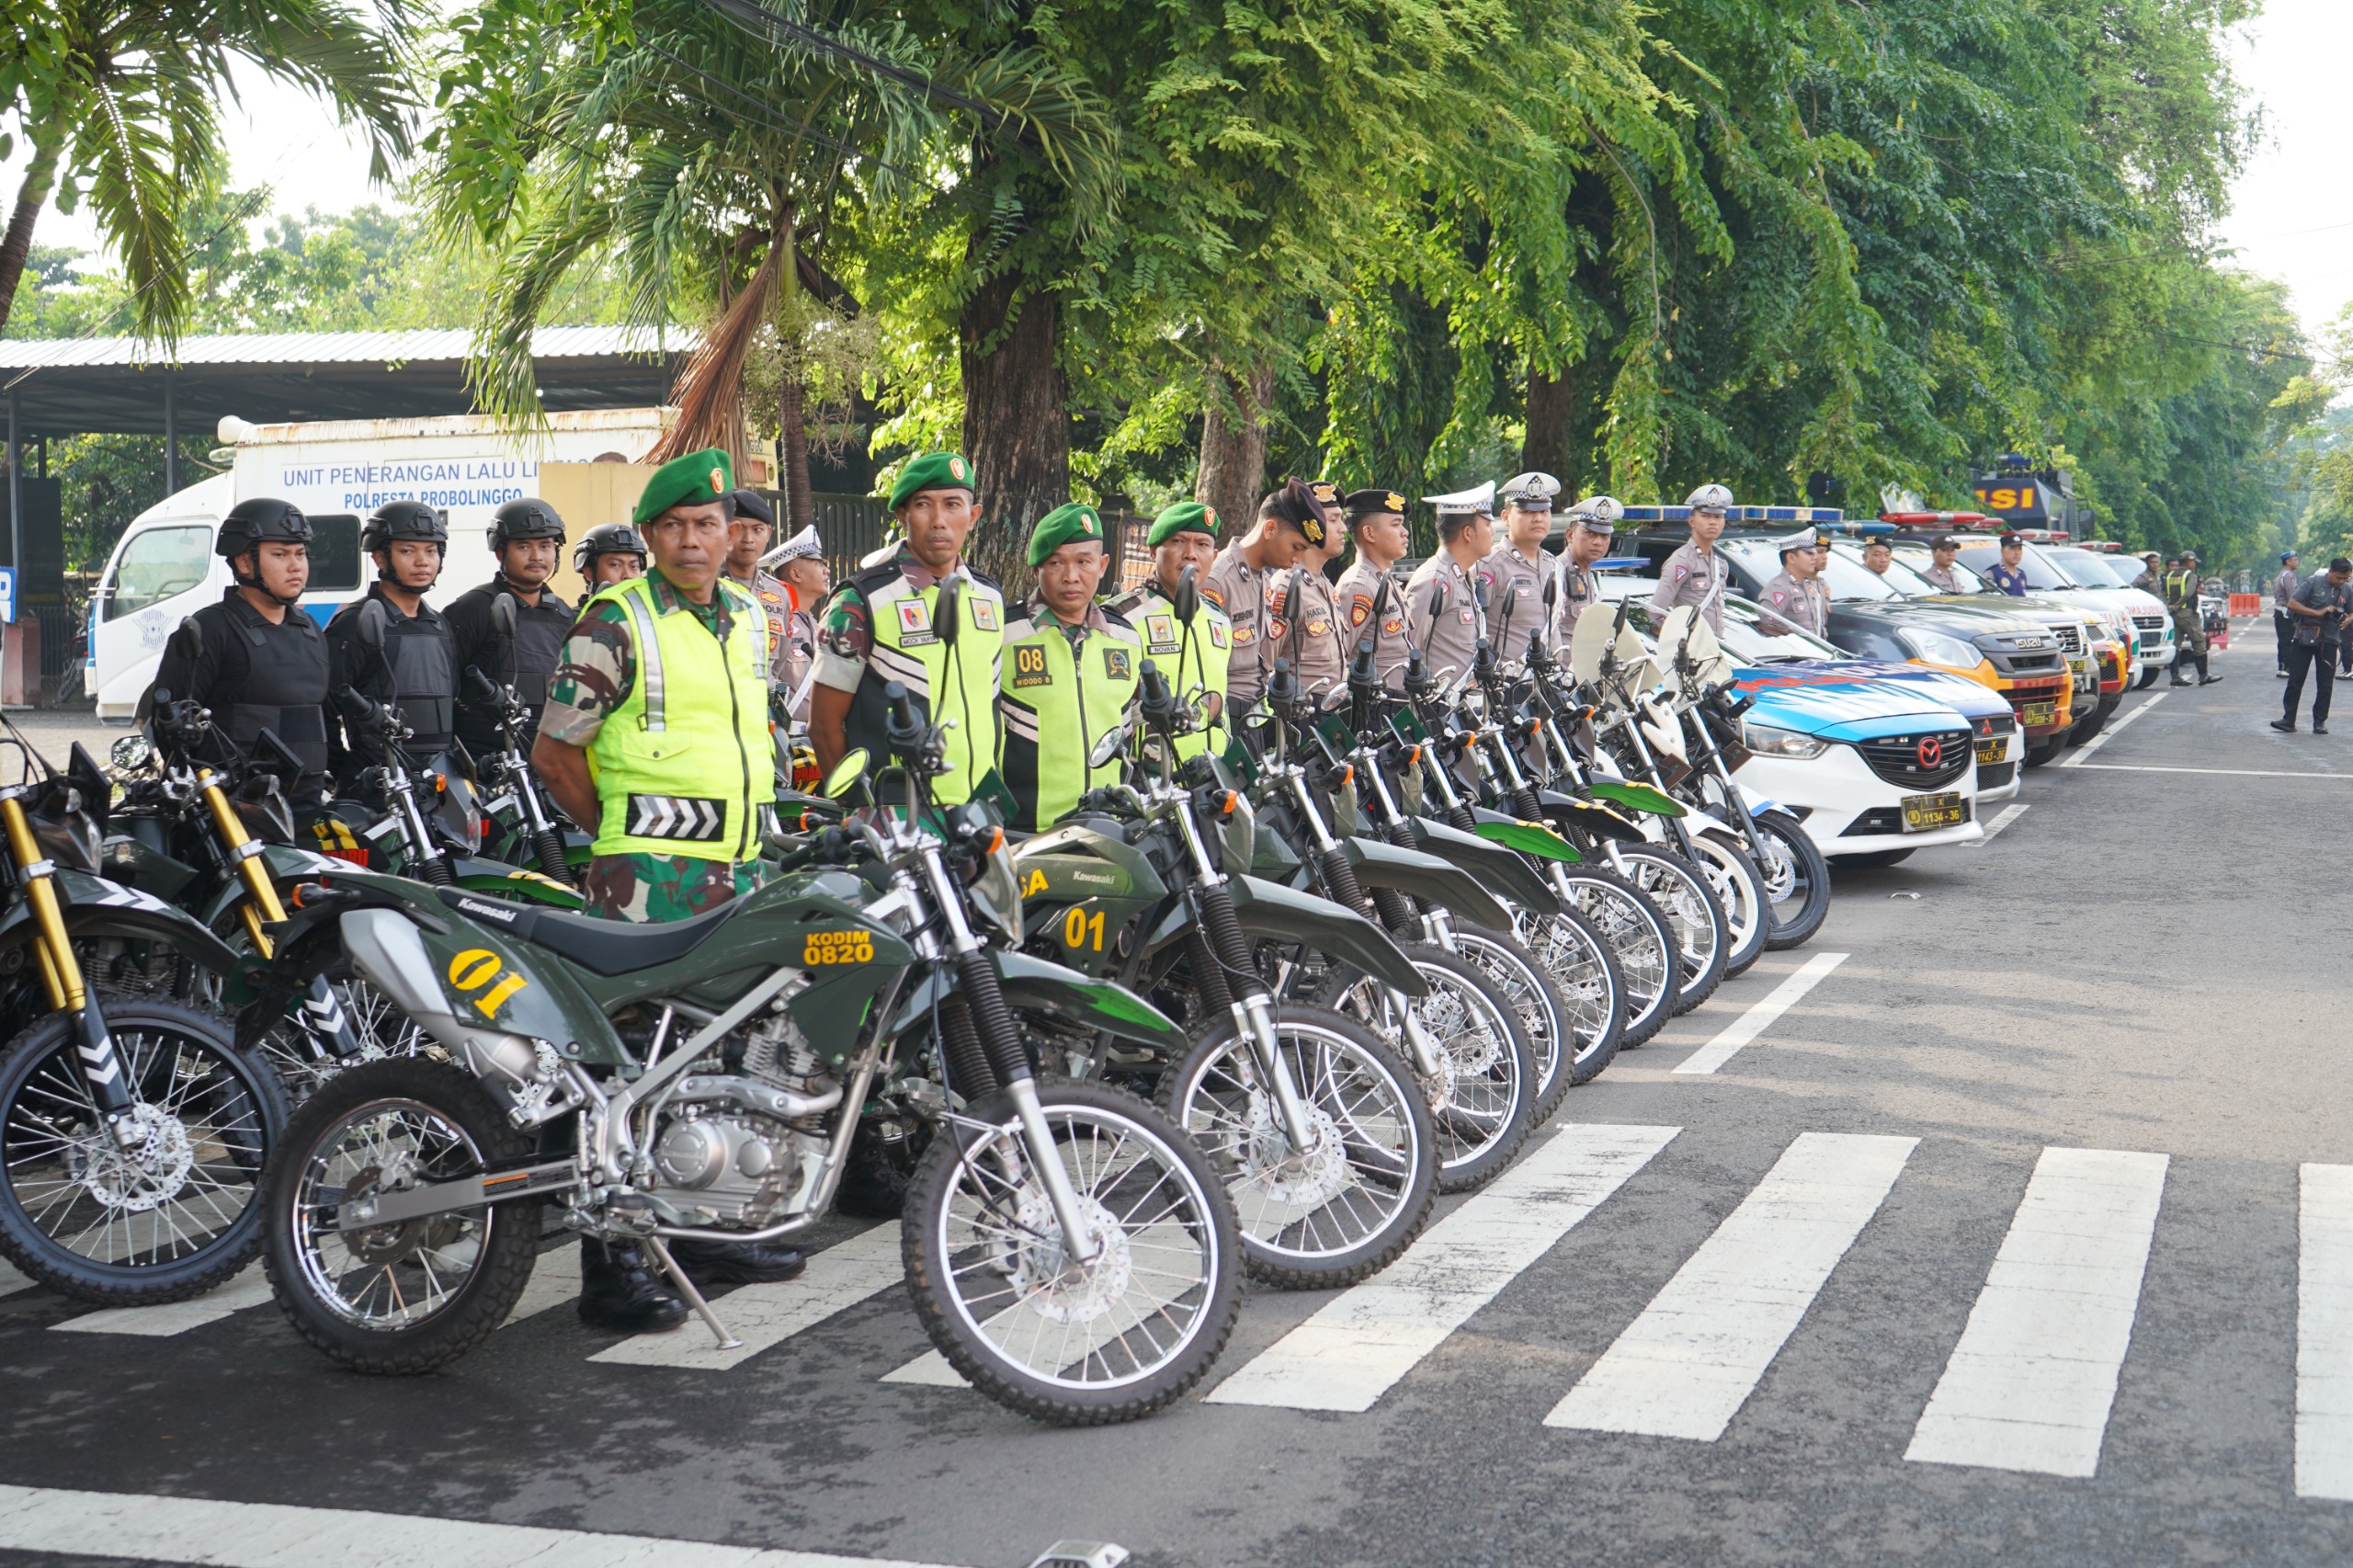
[596,670]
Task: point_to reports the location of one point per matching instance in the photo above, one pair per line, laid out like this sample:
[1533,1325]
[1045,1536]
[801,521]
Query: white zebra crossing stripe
[555,1279]
[1358,1346]
[930,1370]
[248,1289]
[765,1316]
[2325,1334]
[276,1535]
[1760,1017]
[2029,1385]
[1686,1365]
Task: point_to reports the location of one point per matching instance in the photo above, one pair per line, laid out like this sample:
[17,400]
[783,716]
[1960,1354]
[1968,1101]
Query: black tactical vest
[424,682]
[285,688]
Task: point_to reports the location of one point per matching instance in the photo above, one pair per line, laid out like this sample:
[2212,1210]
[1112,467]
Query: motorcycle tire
[1740,888]
[369,1302]
[1303,1220]
[980,1276]
[1575,961]
[210,1117]
[1649,964]
[1692,911]
[1799,891]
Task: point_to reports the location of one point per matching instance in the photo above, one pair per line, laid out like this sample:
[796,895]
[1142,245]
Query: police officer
[1289,524]
[1796,596]
[881,628]
[1309,634]
[1519,561]
[800,565]
[1189,655]
[1376,520]
[2283,588]
[1442,612]
[2190,623]
[417,671]
[2318,606]
[1695,575]
[525,535]
[256,660]
[748,536]
[2008,575]
[609,554]
[656,741]
[1592,524]
[1071,672]
[2151,580]
[1944,554]
[1878,556]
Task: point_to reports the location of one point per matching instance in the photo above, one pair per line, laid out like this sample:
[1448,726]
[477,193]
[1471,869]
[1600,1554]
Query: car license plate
[1989,752]
[1922,813]
[2035,713]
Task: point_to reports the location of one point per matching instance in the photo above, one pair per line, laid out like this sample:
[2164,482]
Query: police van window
[1900,576]
[2088,570]
[335,554]
[158,564]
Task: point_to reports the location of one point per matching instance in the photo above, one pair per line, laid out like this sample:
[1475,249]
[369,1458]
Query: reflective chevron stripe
[680,818]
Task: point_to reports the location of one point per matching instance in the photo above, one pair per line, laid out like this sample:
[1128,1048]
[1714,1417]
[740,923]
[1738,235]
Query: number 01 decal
[1081,929]
[477,968]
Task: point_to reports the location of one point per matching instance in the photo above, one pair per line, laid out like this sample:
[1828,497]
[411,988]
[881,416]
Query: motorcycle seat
[601,947]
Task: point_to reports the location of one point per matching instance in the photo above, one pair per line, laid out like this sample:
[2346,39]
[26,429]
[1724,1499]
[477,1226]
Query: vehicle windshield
[2092,569]
[1645,623]
[1919,558]
[1848,580]
[1907,582]
[2042,575]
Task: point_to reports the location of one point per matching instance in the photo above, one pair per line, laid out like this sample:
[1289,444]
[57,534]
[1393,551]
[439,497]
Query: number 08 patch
[839,946]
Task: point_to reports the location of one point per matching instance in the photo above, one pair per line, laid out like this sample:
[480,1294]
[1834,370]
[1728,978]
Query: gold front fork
[261,907]
[59,970]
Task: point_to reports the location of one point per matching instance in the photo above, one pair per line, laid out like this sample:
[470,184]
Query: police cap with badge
[1361,505]
[1806,537]
[1295,503]
[1532,492]
[1596,514]
[1476,502]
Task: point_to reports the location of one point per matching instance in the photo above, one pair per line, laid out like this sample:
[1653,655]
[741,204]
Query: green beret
[1071,521]
[931,470]
[1186,517]
[689,481]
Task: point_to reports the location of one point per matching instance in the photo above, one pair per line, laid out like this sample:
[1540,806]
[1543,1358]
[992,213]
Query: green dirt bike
[1068,1248]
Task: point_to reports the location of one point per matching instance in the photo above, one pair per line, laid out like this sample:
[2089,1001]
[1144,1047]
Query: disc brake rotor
[386,1244]
[143,1176]
[1304,1178]
[1038,1262]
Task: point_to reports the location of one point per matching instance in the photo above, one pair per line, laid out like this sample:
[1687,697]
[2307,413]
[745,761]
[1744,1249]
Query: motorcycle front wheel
[1649,966]
[1739,887]
[167,1213]
[1075,1340]
[1692,912]
[1577,1034]
[1797,881]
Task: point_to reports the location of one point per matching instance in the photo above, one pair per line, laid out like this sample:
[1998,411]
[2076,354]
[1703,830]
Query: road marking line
[1759,1018]
[555,1279]
[2219,772]
[2029,1385]
[2111,732]
[275,1535]
[1360,1343]
[2002,819]
[249,1288]
[929,1370]
[766,1315]
[1686,1365]
[11,1282]
[2325,1334]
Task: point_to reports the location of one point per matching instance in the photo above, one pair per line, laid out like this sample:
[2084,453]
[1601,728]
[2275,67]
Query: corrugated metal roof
[326,347]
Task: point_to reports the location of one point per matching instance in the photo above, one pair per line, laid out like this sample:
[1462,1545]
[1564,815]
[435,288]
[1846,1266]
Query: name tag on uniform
[1029,667]
[915,623]
[1117,665]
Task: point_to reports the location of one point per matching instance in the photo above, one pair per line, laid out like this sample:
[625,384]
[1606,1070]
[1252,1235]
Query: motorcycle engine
[736,1150]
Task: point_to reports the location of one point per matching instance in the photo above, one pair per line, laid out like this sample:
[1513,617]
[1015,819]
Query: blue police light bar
[1620,562]
[1656,515]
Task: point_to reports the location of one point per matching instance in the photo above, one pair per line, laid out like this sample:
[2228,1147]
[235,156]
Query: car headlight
[1767,740]
[1939,649]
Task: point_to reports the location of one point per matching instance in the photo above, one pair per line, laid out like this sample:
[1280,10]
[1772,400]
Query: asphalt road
[1819,1259]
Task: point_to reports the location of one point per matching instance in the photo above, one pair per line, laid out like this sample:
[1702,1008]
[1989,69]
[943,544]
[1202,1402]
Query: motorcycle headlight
[1937,648]
[1768,740]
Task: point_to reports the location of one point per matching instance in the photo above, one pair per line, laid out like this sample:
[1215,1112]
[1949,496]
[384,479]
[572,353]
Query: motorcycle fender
[1588,817]
[1266,909]
[502,880]
[92,907]
[1638,797]
[1497,864]
[1450,887]
[1092,1004]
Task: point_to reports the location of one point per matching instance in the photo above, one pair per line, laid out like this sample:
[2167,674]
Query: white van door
[336,565]
[160,576]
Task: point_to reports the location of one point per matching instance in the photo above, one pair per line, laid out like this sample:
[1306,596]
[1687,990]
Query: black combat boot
[2204,678]
[738,1262]
[621,1288]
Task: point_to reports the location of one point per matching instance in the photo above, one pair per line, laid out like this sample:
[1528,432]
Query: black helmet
[752,505]
[527,518]
[606,538]
[405,519]
[250,522]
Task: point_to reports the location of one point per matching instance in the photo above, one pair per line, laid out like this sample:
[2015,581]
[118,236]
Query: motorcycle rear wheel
[1740,888]
[1109,1338]
[1575,964]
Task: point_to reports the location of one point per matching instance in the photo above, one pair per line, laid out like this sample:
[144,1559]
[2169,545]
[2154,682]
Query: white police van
[336,472]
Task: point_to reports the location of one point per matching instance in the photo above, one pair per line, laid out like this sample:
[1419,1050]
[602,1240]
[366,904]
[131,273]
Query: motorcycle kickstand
[727,1341]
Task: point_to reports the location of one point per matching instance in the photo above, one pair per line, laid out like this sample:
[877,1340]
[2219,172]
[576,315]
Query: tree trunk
[1233,451]
[16,247]
[1017,421]
[792,444]
[1549,445]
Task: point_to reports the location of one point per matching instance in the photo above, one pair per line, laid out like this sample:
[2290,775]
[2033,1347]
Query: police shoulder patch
[1117,665]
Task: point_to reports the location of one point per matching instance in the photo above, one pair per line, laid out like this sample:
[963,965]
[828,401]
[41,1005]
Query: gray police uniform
[2283,588]
[1505,569]
[1357,592]
[1240,589]
[1805,605]
[1451,637]
[1580,588]
[1687,577]
[1942,577]
[1309,638]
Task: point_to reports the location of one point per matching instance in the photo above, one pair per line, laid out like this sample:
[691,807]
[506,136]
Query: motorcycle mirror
[1438,600]
[502,614]
[274,757]
[1107,748]
[1185,602]
[846,772]
[1551,592]
[131,752]
[370,624]
[944,618]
